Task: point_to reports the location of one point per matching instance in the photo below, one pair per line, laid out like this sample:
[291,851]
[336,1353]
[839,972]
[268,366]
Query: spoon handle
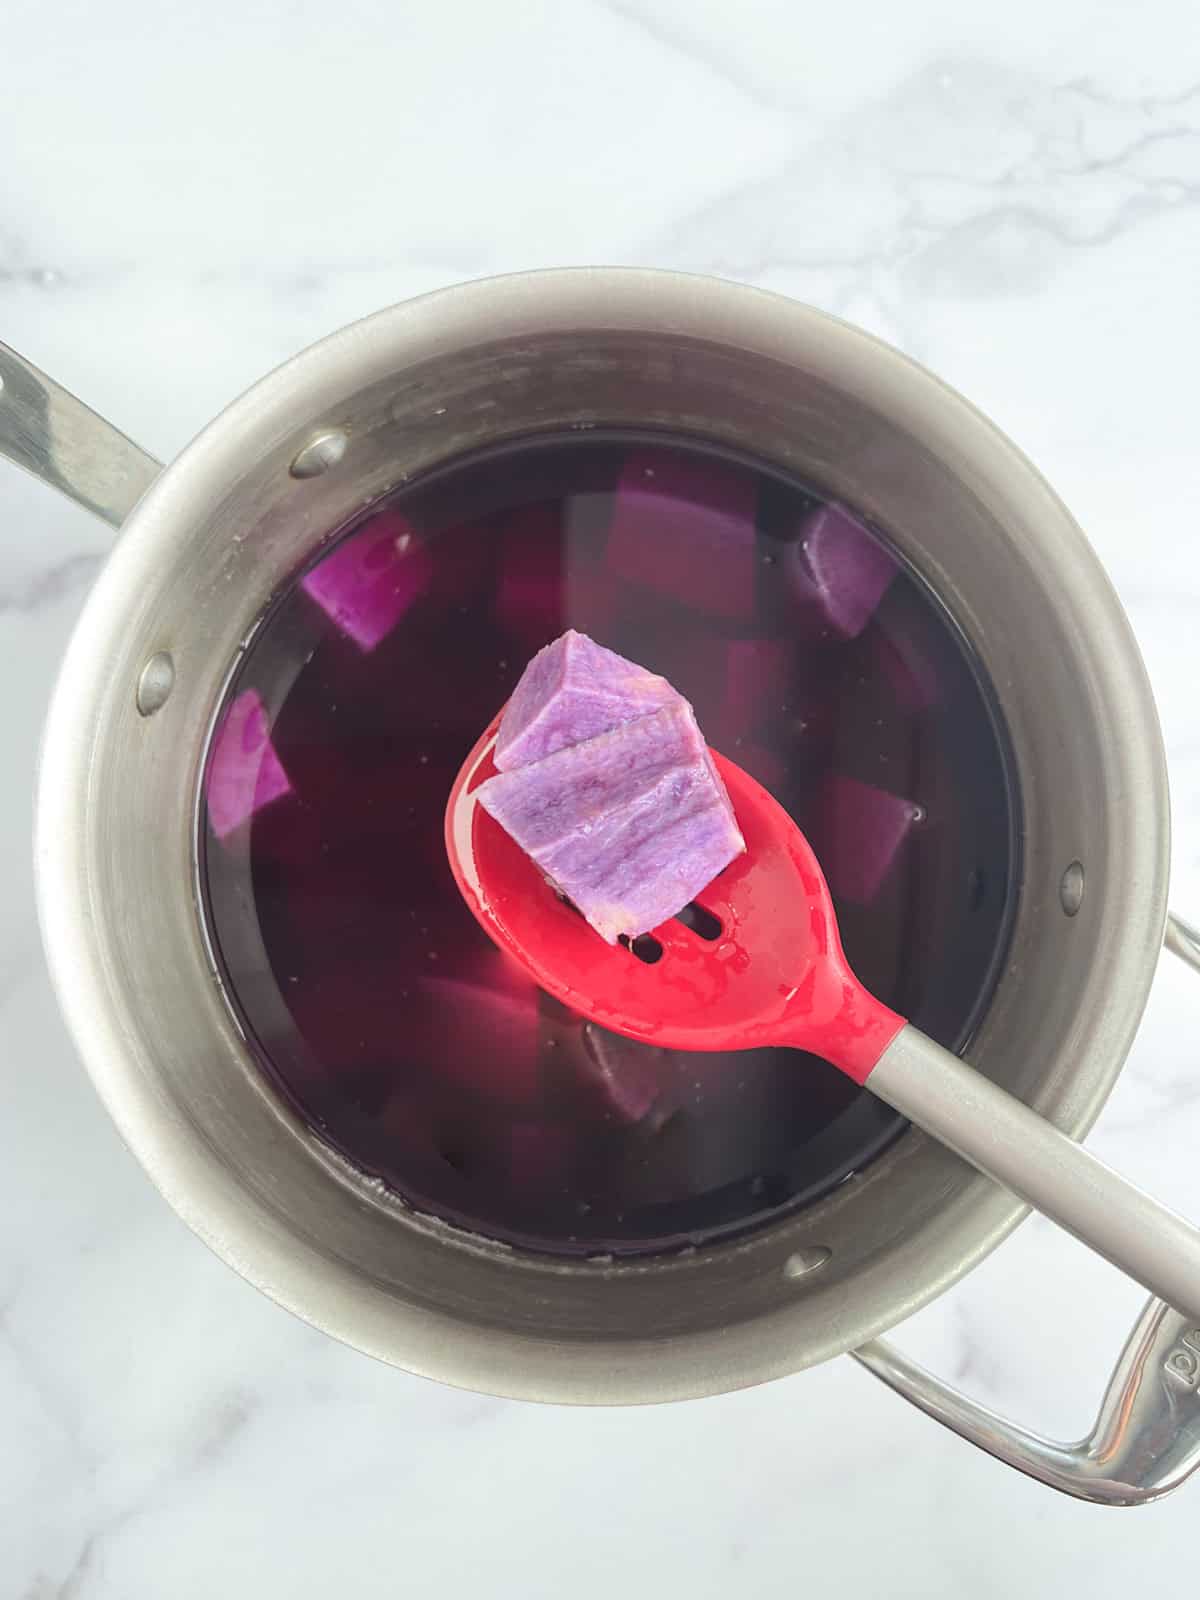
[1002,1137]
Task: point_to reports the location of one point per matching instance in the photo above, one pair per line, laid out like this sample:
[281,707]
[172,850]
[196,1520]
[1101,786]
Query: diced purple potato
[911,676]
[837,572]
[860,833]
[630,825]
[571,691]
[371,579]
[244,773]
[485,1039]
[529,589]
[685,528]
[625,1073]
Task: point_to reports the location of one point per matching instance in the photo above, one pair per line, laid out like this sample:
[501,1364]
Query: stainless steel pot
[204,545]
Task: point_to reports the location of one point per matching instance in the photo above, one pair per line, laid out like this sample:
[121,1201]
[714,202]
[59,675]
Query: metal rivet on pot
[155,683]
[801,1262]
[319,454]
[1070,890]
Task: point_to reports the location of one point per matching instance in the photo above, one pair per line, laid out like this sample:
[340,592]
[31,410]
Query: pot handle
[1146,1439]
[44,429]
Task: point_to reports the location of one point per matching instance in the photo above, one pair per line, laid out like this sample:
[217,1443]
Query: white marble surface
[188,195]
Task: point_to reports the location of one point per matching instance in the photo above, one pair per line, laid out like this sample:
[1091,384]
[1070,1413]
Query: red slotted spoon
[775,974]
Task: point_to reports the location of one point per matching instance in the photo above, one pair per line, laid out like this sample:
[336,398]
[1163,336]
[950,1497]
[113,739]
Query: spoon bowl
[767,969]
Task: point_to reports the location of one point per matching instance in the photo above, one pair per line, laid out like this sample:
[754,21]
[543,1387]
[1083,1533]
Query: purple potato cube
[484,1038]
[630,825]
[367,583]
[838,572]
[244,773]
[860,833]
[684,527]
[571,691]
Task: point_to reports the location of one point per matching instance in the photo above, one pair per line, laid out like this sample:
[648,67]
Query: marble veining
[1014,198]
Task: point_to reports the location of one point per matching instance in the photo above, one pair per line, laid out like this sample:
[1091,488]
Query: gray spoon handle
[1027,1155]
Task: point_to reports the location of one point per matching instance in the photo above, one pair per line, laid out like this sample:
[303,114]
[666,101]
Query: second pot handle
[50,433]
[1146,1439]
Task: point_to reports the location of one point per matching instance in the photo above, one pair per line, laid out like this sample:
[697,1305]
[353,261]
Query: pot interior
[230,525]
[367,988]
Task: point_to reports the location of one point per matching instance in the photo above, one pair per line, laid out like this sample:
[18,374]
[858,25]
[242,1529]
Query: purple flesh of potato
[486,1038]
[860,834]
[369,581]
[838,572]
[630,825]
[684,527]
[571,691]
[244,773]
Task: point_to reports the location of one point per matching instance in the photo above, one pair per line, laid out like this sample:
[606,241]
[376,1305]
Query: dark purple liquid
[382,1010]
